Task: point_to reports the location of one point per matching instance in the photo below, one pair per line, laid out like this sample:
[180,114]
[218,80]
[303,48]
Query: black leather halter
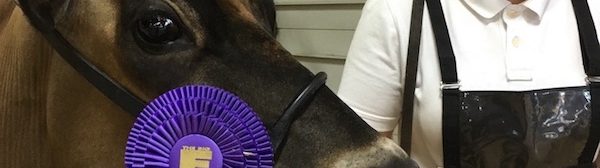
[133,104]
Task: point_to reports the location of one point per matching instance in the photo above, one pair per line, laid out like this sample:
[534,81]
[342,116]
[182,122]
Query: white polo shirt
[498,46]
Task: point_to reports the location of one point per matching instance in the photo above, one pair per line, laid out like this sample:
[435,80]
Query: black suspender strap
[588,37]
[450,86]
[410,79]
[586,158]
[590,49]
[442,42]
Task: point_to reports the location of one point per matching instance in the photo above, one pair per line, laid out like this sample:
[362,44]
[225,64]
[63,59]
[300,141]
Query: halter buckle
[444,86]
[592,79]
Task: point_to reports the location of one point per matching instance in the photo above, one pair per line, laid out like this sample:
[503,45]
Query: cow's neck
[49,113]
[23,91]
[6,10]
[79,113]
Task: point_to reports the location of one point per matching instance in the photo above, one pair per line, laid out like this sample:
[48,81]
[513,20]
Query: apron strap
[589,151]
[450,82]
[450,128]
[450,86]
[410,78]
[590,49]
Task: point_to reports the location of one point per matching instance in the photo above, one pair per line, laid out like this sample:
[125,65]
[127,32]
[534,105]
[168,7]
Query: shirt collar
[537,6]
[490,8]
[487,8]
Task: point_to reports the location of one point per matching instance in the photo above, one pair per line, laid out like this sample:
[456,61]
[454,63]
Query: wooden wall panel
[319,32]
[332,44]
[317,2]
[332,17]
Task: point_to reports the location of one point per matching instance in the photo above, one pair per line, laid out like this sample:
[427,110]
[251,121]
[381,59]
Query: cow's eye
[158,28]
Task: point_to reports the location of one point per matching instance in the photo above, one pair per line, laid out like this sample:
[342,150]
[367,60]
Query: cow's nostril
[396,162]
[384,153]
[393,156]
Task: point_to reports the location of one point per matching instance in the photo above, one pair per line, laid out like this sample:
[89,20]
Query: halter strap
[108,86]
[281,128]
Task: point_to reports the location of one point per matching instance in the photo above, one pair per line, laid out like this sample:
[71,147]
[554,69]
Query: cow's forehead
[241,8]
[189,15]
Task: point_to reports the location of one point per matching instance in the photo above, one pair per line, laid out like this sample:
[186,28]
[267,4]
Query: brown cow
[50,116]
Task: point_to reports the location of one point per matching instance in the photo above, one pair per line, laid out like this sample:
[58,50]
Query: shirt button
[512,13]
[516,41]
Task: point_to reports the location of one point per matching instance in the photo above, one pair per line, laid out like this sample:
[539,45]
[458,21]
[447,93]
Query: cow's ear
[269,17]
[47,12]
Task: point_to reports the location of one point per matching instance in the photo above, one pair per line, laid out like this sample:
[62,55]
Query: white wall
[319,32]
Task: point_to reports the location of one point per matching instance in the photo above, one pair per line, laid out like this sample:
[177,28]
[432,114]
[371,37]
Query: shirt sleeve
[370,82]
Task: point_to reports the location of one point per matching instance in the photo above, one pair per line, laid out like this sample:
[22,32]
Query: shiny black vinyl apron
[541,128]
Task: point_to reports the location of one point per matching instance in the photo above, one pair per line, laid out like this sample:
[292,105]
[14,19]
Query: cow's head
[151,46]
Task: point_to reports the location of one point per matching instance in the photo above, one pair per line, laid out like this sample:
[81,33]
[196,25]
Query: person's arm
[371,80]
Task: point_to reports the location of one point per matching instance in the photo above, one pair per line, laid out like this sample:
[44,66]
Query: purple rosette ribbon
[198,126]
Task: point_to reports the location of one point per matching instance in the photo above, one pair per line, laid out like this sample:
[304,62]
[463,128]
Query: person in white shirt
[519,48]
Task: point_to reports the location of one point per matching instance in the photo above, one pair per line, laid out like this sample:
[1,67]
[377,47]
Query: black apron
[501,129]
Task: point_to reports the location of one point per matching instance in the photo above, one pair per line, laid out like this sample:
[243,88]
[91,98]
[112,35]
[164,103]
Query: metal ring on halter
[444,86]
[592,79]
